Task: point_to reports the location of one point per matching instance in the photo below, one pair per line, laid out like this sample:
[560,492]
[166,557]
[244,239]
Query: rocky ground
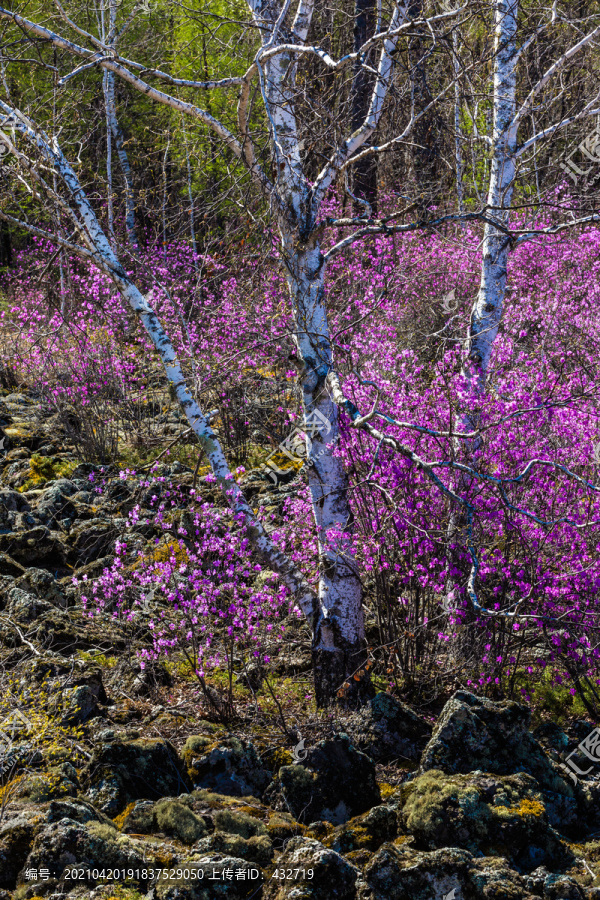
[116,784]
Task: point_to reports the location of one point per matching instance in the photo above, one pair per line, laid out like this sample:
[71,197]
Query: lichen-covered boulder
[403,873]
[561,887]
[493,815]
[11,503]
[44,585]
[25,607]
[476,734]
[227,766]
[76,809]
[366,832]
[238,822]
[123,771]
[54,504]
[386,729]
[473,733]
[333,783]
[317,874]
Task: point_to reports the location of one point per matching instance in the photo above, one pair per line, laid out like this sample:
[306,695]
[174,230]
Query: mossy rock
[477,734]
[95,845]
[136,818]
[366,832]
[281,827]
[237,822]
[494,815]
[176,819]
[123,771]
[333,783]
[211,800]
[55,783]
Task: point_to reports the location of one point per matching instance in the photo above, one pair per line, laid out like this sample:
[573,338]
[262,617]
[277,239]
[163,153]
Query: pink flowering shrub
[197,591]
[534,535]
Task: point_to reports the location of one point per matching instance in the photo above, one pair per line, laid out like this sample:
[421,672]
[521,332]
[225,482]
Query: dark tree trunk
[5,245]
[365,170]
[424,146]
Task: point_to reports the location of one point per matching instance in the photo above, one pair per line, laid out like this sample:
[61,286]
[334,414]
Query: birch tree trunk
[339,646]
[119,139]
[487,310]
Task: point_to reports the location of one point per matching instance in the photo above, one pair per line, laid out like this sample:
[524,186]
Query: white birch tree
[505,153]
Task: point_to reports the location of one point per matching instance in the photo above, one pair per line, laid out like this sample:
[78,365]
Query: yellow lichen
[120,819]
[387,790]
[530,808]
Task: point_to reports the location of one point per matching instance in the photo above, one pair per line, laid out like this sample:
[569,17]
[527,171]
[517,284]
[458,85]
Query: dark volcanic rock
[44,585]
[402,873]
[91,540]
[227,766]
[475,734]
[386,729]
[54,504]
[16,837]
[333,783]
[123,771]
[10,567]
[38,545]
